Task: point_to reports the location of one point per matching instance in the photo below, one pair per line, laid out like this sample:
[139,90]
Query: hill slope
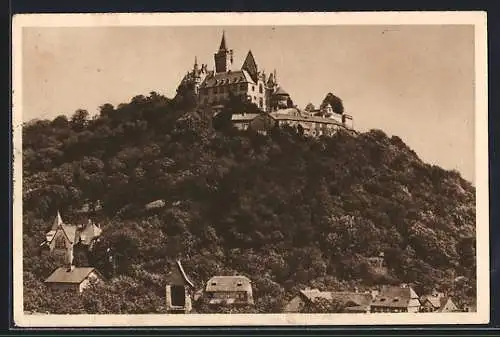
[284,210]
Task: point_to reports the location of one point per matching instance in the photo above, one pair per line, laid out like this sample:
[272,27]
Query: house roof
[437,302]
[89,233]
[63,275]
[355,301]
[244,117]
[50,235]
[57,221]
[229,283]
[303,118]
[227,78]
[395,297]
[69,231]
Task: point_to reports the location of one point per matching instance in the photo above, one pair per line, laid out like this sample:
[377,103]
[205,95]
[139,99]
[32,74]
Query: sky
[416,82]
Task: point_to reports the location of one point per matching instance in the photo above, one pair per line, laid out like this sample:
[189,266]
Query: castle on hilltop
[212,89]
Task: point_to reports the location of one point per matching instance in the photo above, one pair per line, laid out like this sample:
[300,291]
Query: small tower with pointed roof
[224,57]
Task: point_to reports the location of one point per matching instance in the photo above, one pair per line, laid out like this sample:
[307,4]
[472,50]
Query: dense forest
[285,210]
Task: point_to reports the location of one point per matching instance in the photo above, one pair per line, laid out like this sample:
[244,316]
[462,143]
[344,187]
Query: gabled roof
[57,221]
[89,233]
[250,65]
[395,297]
[229,283]
[76,275]
[437,302]
[68,230]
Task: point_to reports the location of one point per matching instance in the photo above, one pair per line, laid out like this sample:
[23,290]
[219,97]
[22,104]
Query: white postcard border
[478,19]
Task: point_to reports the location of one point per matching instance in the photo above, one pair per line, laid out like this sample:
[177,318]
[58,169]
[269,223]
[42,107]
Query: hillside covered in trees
[285,210]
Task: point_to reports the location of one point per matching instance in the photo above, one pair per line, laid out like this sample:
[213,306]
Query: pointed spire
[57,221]
[275,77]
[195,62]
[223,41]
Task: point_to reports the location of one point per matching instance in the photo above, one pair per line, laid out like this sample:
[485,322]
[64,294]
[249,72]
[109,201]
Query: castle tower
[224,57]
[196,76]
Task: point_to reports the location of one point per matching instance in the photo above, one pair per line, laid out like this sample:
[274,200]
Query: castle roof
[280,92]
[250,65]
[223,42]
[227,78]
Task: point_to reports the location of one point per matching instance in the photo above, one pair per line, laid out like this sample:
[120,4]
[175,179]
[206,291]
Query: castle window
[253,87]
[215,90]
[260,88]
[261,103]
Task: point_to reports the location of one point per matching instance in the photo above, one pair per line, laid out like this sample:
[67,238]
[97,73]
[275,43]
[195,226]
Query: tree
[335,102]
[79,120]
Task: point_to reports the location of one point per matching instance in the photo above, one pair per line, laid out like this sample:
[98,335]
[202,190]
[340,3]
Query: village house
[178,291]
[437,302]
[73,278]
[229,290]
[351,302]
[313,126]
[62,238]
[396,299]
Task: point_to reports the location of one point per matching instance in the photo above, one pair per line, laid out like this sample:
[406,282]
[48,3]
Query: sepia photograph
[250,169]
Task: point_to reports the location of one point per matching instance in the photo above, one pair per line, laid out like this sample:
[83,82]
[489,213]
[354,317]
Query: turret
[224,57]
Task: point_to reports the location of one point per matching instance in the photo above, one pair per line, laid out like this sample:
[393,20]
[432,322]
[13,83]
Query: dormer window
[213,284]
[239,284]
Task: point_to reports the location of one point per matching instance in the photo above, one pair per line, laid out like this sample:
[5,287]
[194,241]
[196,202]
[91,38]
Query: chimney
[70,265]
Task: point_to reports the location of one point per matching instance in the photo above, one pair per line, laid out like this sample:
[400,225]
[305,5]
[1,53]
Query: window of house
[261,103]
[253,87]
[60,242]
[260,88]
